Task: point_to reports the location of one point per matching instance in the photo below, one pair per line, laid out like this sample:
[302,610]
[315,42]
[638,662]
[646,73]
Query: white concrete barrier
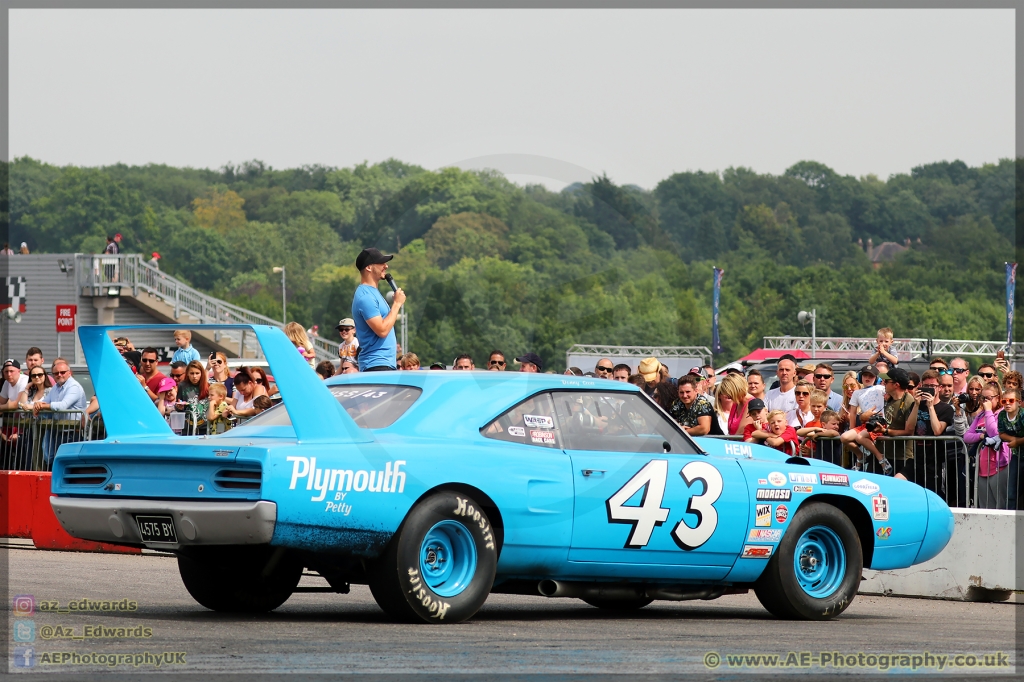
[978,564]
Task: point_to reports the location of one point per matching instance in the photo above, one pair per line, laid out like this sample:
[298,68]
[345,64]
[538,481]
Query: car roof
[460,403]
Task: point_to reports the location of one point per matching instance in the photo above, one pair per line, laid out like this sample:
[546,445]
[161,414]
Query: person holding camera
[897,418]
[933,418]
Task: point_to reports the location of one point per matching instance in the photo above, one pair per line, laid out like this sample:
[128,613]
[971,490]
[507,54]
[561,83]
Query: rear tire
[240,579]
[816,569]
[439,567]
[618,604]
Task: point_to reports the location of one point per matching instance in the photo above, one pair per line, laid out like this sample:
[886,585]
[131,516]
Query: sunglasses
[604,369]
[179,377]
[822,376]
[959,370]
[801,392]
[217,362]
[497,363]
[987,375]
[60,373]
[38,374]
[1011,401]
[258,381]
[943,372]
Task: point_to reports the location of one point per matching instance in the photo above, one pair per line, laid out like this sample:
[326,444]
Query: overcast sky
[544,95]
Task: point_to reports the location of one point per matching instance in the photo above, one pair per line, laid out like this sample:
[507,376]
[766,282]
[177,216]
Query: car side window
[531,422]
[617,422]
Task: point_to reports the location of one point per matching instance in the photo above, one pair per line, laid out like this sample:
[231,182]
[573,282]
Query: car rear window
[371,406]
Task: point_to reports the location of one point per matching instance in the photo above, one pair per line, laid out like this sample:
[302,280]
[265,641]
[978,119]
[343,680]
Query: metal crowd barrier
[29,442]
[943,464]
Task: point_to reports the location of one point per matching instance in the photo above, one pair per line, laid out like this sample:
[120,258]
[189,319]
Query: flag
[716,343]
[13,294]
[1011,285]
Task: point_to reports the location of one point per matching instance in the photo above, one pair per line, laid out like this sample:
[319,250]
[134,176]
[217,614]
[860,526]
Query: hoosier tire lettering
[463,508]
[436,607]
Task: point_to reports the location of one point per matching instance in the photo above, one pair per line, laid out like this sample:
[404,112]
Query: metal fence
[29,442]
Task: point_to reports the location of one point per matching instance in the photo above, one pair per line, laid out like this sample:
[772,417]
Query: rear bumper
[196,523]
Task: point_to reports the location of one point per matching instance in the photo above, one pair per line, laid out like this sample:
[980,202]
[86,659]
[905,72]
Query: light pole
[802,318]
[284,296]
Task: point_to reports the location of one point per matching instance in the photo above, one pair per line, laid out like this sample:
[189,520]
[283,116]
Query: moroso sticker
[880,507]
[835,479]
[517,431]
[757,551]
[884,532]
[803,488]
[781,513]
[765,534]
[865,487]
[763,515]
[809,479]
[546,437]
[538,421]
[762,481]
[774,494]
[776,478]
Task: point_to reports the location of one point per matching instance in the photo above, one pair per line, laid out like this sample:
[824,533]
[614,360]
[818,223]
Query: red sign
[66,315]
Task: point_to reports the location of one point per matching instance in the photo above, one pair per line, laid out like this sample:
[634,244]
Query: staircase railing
[98,274]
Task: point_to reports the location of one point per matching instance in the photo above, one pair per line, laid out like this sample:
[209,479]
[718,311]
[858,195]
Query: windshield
[371,406]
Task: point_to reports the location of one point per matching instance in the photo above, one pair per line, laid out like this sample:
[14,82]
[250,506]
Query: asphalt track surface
[512,635]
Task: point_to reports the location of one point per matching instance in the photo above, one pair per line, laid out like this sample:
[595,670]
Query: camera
[962,399]
[930,390]
[876,423]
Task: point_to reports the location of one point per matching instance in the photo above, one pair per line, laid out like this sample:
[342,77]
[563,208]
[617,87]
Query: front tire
[439,567]
[816,570]
[240,579]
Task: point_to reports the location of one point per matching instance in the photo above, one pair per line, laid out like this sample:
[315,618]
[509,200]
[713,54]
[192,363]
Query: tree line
[489,264]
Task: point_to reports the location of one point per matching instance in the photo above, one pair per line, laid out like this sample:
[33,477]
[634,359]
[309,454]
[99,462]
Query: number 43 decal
[650,513]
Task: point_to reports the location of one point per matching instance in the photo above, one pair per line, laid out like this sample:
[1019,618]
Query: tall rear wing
[129,413]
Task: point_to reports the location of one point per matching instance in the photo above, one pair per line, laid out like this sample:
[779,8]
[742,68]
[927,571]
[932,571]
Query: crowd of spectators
[953,432]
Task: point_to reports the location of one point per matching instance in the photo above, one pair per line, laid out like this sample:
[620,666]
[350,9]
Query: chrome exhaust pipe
[680,594]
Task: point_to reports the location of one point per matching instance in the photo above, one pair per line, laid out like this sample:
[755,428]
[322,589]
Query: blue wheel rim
[819,562]
[448,558]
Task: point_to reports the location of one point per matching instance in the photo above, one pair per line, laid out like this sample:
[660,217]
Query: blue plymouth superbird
[438,488]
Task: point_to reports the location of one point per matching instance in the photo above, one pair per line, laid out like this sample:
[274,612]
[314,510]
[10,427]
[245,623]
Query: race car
[438,488]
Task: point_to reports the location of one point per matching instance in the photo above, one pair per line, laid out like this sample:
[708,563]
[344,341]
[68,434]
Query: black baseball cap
[868,369]
[11,363]
[898,375]
[755,405]
[437,365]
[532,358]
[371,256]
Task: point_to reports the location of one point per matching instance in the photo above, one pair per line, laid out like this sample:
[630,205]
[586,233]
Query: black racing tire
[240,579]
[618,604]
[405,580]
[779,588]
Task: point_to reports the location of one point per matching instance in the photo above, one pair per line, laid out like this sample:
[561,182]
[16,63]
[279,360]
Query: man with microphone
[375,320]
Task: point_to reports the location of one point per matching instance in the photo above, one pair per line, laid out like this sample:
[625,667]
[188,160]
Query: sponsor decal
[762,481]
[809,479]
[757,551]
[765,534]
[763,515]
[865,487]
[803,488]
[341,481]
[776,478]
[738,450]
[884,532]
[880,507]
[774,494]
[538,421]
[546,437]
[517,431]
[781,513]
[835,479]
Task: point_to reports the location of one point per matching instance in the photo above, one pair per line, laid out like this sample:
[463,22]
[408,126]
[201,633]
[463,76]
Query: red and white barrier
[25,512]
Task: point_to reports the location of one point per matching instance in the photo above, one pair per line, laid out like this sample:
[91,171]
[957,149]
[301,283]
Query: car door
[645,494]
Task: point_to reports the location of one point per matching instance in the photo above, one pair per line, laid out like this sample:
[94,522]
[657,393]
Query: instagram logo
[24,605]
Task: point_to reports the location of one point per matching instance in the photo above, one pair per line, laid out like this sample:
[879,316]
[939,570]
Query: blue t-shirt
[373,350]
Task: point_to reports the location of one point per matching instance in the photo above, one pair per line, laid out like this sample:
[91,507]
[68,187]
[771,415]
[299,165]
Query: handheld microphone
[391,282]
